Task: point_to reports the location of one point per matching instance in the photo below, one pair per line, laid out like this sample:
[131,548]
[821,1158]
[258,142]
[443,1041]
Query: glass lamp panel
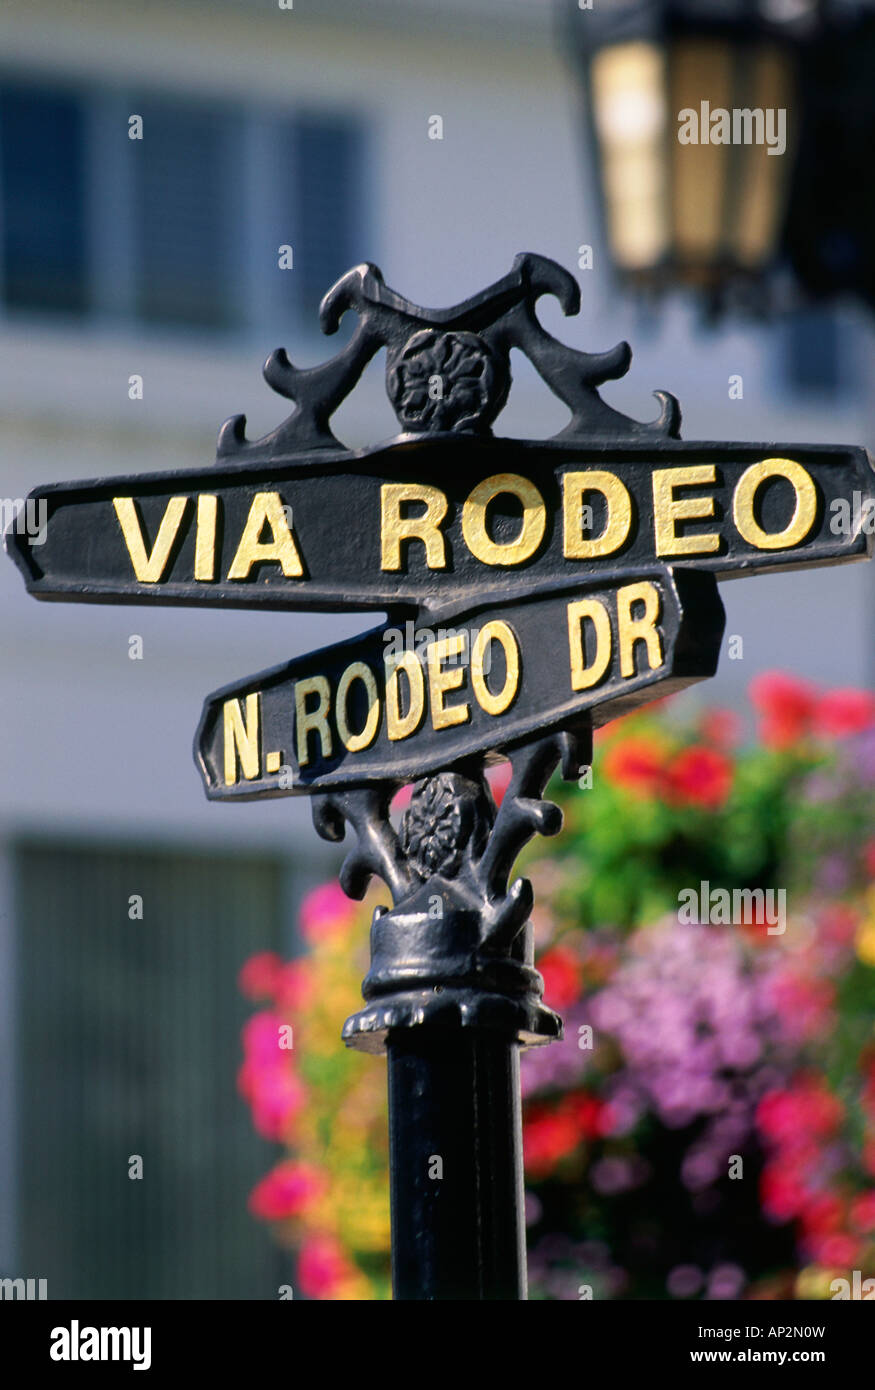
[761,179]
[629,106]
[701,81]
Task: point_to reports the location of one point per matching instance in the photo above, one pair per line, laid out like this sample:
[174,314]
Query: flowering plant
[707,1126]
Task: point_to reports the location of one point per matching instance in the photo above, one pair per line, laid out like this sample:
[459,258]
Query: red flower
[700,776]
[563,977]
[720,726]
[835,1251]
[548,1136]
[822,1214]
[288,1190]
[863,1211]
[259,975]
[636,763]
[782,1193]
[786,707]
[840,713]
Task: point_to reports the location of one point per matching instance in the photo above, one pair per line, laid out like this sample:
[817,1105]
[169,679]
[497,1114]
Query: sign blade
[396,705]
[430,523]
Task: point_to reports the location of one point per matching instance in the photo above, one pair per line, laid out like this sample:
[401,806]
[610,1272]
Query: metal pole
[456,1175]
[451,996]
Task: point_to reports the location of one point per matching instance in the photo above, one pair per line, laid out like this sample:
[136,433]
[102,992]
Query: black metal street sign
[424,525]
[397,704]
[533,590]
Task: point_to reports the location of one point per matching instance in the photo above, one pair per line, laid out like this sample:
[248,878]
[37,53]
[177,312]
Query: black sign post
[532,591]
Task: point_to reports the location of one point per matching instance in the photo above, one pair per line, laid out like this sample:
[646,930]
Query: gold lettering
[619,517]
[357,671]
[241,738]
[314,719]
[668,509]
[266,507]
[477,538]
[804,511]
[400,725]
[643,629]
[496,631]
[440,681]
[205,537]
[584,677]
[395,528]
[149,569]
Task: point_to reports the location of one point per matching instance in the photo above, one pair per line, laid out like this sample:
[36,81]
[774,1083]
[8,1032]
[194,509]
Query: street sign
[428,523]
[532,589]
[399,703]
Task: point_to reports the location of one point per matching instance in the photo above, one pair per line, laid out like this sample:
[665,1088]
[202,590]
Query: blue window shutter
[329,203]
[184,219]
[42,160]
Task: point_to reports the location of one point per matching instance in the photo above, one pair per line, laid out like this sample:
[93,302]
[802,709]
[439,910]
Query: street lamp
[692,105]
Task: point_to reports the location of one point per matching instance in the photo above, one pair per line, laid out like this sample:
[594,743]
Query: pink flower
[276,1097]
[840,713]
[323,1267]
[288,1190]
[295,985]
[261,1038]
[326,912]
[499,781]
[259,975]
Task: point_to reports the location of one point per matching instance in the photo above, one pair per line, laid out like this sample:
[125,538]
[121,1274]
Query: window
[128,1043]
[42,178]
[182,228]
[183,258]
[812,357]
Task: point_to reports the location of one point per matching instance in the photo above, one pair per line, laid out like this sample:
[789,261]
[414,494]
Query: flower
[326,912]
[840,713]
[259,975]
[286,1191]
[324,1271]
[786,706]
[637,764]
[700,776]
[720,726]
[499,780]
[862,1211]
[563,974]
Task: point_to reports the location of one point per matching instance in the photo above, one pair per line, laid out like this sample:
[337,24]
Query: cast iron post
[451,997]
